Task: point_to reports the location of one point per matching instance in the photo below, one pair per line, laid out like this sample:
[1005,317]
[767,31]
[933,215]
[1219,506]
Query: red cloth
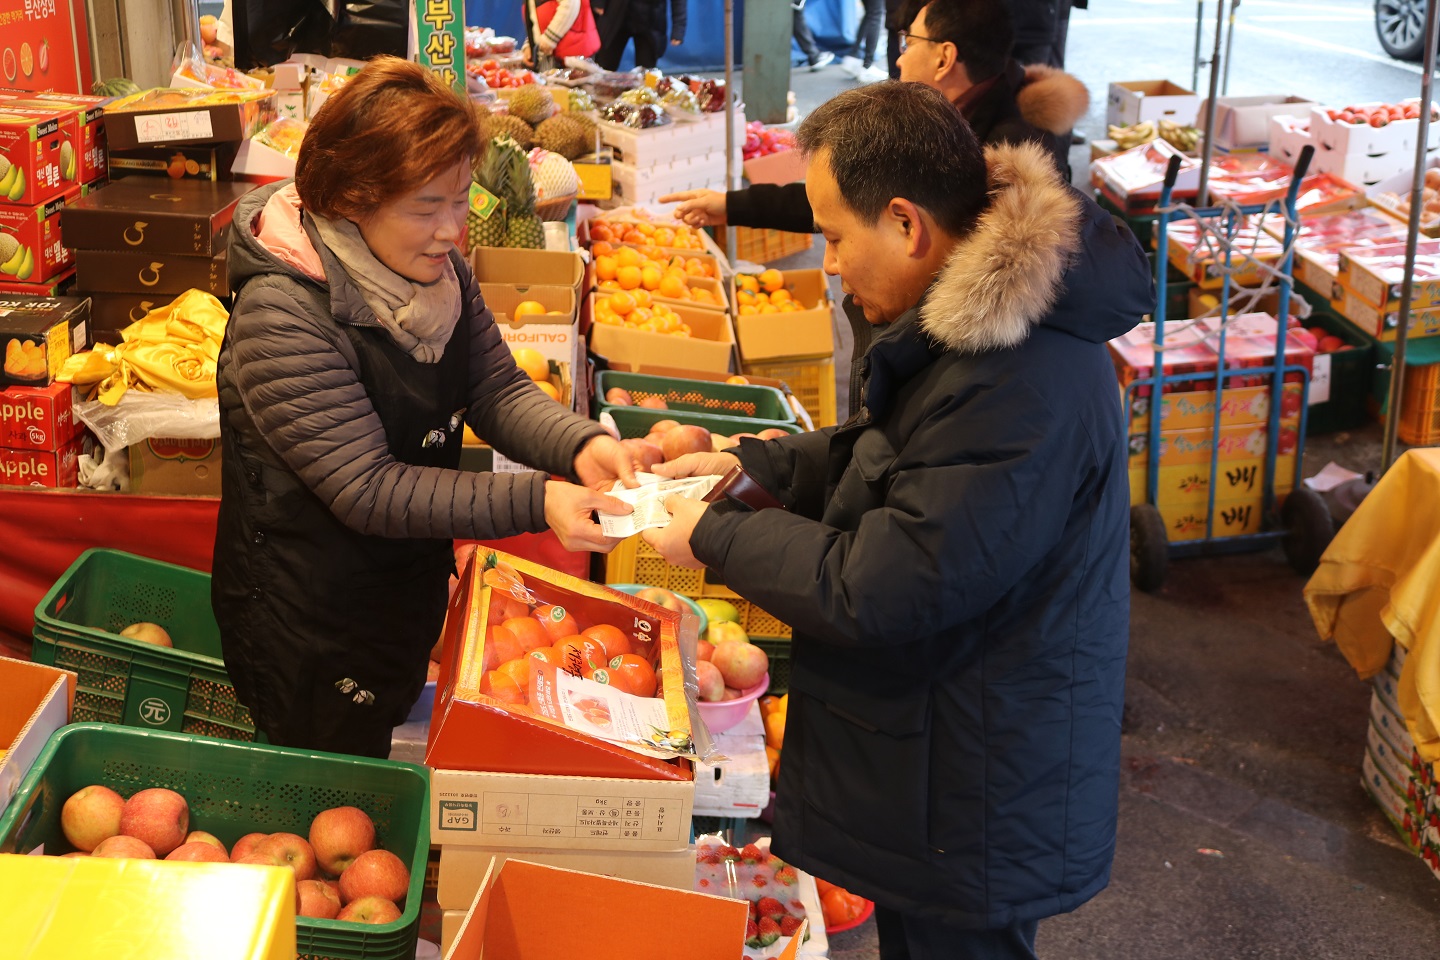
[583,38]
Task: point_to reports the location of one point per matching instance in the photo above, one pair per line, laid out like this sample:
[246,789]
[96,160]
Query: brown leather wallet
[739,486]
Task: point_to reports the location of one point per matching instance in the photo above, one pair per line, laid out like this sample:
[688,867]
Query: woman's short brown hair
[391,128]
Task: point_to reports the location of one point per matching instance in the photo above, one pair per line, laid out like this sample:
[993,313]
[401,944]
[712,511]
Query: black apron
[328,631]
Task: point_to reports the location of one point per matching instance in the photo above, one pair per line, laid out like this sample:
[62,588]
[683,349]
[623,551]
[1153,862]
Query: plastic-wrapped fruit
[640,95]
[652,115]
[677,100]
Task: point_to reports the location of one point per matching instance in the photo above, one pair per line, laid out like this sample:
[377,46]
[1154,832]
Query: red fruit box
[90,111]
[36,252]
[54,469]
[1200,254]
[1185,351]
[1243,442]
[1320,239]
[1250,342]
[39,150]
[570,725]
[1249,178]
[1139,173]
[38,418]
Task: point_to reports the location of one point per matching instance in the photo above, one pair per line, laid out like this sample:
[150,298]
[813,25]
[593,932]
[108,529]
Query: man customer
[954,559]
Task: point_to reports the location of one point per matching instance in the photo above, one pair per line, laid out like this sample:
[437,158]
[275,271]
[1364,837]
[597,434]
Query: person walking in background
[814,56]
[893,27]
[858,63]
[1041,28]
[642,21]
[557,29]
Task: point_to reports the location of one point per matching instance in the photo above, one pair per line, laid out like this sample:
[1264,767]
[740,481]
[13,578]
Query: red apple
[122,847]
[198,851]
[200,836]
[317,900]
[654,403]
[741,664]
[375,873]
[148,633]
[712,685]
[686,438]
[643,453]
[1330,344]
[664,426]
[619,397]
[731,694]
[92,814]
[737,437]
[704,649]
[725,631]
[256,859]
[246,845]
[370,910]
[158,816]
[292,850]
[662,597]
[74,853]
[339,835]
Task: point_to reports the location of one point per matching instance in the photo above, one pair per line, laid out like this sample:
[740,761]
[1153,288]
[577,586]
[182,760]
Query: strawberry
[789,925]
[754,910]
[751,854]
[752,934]
[768,931]
[786,877]
[728,852]
[770,907]
[709,858]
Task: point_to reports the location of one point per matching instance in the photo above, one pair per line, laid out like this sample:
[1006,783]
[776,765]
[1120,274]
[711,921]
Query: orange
[746,281]
[736,379]
[632,235]
[650,278]
[646,228]
[599,230]
[694,268]
[636,672]
[769,308]
[610,637]
[518,670]
[556,621]
[622,303]
[608,285]
[701,295]
[528,632]
[536,367]
[642,298]
[502,687]
[605,267]
[501,644]
[549,389]
[748,310]
[641,314]
[602,248]
[664,237]
[628,257]
[781,296]
[744,297]
[673,287]
[527,308]
[549,655]
[628,277]
[772,280]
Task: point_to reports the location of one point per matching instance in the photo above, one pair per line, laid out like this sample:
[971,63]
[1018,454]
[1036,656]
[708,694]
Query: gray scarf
[418,316]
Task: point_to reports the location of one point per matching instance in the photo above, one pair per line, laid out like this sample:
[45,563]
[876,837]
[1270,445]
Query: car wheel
[1400,27]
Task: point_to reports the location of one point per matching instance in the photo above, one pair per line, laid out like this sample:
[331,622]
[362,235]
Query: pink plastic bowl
[721,715]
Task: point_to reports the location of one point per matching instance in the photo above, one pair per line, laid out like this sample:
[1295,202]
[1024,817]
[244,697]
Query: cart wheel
[1149,548]
[1308,529]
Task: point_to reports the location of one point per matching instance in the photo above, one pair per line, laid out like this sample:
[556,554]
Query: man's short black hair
[896,139]
[981,30]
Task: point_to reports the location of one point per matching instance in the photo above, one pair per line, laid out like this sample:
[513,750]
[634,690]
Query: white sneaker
[872,75]
[851,67]
[824,60]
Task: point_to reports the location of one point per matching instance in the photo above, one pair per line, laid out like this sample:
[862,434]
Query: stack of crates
[1393,773]
[1419,421]
[766,246]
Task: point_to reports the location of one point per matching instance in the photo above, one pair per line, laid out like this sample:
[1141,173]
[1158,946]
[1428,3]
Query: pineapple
[524,227]
[492,173]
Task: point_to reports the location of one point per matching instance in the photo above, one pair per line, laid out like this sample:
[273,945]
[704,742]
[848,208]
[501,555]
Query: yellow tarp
[1380,579]
[172,349]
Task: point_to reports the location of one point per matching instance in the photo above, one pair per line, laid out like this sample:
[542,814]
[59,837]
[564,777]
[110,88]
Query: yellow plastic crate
[811,381]
[635,561]
[763,246]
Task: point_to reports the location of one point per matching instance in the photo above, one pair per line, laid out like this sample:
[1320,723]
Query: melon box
[90,116]
[30,247]
[38,154]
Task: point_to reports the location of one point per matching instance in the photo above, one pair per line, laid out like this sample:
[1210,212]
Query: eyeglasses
[906,36]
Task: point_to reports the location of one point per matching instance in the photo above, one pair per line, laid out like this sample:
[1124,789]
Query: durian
[509,125]
[531,104]
[562,135]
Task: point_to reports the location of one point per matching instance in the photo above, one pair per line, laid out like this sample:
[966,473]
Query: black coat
[629,18]
[955,565]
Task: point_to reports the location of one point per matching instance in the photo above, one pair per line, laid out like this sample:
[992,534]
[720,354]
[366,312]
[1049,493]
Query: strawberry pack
[780,897]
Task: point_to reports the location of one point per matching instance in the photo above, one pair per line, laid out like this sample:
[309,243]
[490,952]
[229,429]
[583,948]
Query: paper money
[648,501]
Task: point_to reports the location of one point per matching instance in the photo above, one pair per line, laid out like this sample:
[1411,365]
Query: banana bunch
[1182,138]
[1134,134]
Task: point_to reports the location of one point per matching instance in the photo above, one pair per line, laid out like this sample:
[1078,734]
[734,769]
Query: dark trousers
[646,52]
[803,36]
[867,36]
[905,937]
[1051,51]
[892,37]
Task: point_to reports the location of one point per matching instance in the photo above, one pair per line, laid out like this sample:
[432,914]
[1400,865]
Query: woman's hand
[547,46]
[698,208]
[672,541]
[602,461]
[697,465]
[568,509]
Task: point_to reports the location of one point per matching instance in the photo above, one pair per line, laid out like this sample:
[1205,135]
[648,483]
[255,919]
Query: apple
[712,685]
[741,664]
[317,900]
[369,910]
[774,433]
[726,631]
[246,845]
[339,835]
[686,438]
[121,847]
[662,597]
[290,849]
[74,853]
[158,816]
[619,397]
[1330,344]
[719,443]
[92,814]
[257,859]
[717,610]
[375,873]
[198,851]
[643,453]
[664,426]
[704,649]
[148,633]
[654,403]
[200,836]
[731,694]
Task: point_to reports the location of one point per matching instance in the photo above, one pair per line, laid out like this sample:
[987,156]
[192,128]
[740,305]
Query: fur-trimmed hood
[1052,99]
[1041,254]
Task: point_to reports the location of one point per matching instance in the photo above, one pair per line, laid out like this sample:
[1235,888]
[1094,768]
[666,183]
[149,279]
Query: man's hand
[602,461]
[568,509]
[698,208]
[697,465]
[673,540]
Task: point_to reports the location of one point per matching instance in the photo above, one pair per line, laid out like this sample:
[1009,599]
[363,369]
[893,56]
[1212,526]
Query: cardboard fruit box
[50,469]
[1233,518]
[181,217]
[38,418]
[167,116]
[1188,485]
[1377,274]
[57,286]
[37,702]
[38,150]
[1131,101]
[514,917]
[139,271]
[710,345]
[802,333]
[1196,408]
[38,334]
[1243,123]
[554,724]
[91,148]
[463,868]
[31,250]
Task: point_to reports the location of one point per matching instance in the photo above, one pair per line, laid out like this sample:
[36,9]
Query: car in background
[1400,27]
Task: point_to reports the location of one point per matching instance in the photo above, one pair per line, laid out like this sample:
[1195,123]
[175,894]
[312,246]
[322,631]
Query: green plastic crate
[184,689]
[698,396]
[778,650]
[1352,371]
[636,421]
[234,789]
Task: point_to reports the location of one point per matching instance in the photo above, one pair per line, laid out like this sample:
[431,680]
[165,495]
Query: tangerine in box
[54,469]
[31,250]
[38,418]
[38,153]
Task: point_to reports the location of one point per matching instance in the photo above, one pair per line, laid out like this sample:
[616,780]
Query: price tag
[1320,379]
[164,127]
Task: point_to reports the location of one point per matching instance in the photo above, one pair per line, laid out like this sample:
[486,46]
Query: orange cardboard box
[37,702]
[1188,485]
[709,346]
[471,730]
[514,917]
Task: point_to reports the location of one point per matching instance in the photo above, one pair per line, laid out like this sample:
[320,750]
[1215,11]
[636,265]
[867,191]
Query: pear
[27,265]
[17,189]
[12,265]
